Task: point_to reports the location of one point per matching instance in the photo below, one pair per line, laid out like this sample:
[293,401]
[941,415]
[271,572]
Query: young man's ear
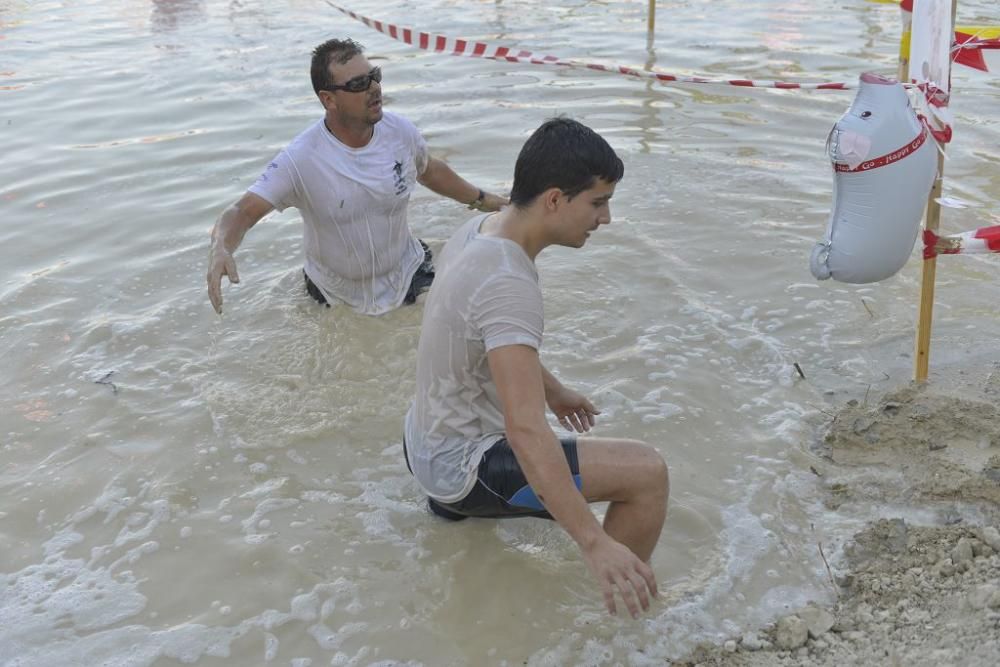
[551,199]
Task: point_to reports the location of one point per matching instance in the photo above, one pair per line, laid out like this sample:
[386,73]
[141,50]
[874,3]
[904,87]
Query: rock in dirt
[962,552]
[992,537]
[818,621]
[751,642]
[981,596]
[791,633]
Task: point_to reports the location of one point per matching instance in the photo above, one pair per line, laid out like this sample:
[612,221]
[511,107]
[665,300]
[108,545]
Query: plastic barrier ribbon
[980,241]
[969,44]
[463,47]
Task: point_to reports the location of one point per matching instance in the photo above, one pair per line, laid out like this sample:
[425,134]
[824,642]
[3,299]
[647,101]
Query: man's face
[584,213]
[364,106]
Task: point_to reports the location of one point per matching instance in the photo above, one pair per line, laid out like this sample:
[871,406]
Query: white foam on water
[266,506]
[69,610]
[711,608]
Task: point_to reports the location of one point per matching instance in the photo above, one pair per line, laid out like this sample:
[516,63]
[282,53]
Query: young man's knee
[653,466]
[659,470]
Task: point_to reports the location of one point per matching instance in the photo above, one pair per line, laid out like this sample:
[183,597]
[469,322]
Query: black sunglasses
[360,84]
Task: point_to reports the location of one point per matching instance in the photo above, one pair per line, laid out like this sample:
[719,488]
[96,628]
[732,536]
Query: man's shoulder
[399,125]
[459,239]
[468,229]
[303,144]
[395,119]
[476,261]
[307,139]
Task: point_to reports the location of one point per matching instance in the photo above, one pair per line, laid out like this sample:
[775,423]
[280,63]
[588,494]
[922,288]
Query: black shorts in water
[501,490]
[420,283]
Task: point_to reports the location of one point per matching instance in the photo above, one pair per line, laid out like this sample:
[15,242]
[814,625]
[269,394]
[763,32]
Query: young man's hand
[572,409]
[616,568]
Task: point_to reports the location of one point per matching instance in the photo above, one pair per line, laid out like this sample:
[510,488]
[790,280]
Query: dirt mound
[908,595]
[936,447]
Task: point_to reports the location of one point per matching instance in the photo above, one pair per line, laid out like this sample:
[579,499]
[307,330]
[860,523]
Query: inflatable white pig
[884,162]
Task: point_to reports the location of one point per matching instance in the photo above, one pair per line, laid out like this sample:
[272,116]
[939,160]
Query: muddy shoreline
[908,592]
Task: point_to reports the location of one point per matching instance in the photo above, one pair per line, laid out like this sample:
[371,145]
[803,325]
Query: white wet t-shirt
[486,295]
[358,246]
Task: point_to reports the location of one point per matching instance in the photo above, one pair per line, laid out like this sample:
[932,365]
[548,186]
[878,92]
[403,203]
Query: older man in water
[476,437]
[350,174]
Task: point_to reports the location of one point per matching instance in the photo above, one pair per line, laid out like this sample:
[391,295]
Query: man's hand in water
[618,569]
[220,263]
[226,236]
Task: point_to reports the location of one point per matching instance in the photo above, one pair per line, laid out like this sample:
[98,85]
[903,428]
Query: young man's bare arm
[518,375]
[227,234]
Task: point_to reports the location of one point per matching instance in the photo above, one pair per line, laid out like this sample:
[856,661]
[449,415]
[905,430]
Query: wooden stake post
[651,17]
[921,358]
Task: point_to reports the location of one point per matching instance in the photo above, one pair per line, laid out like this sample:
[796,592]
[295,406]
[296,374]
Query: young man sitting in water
[477,439]
[350,174]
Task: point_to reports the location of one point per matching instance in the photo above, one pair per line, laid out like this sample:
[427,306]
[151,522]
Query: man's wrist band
[477,205]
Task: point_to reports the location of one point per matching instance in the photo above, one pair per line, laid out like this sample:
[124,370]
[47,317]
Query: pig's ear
[829,139]
[852,148]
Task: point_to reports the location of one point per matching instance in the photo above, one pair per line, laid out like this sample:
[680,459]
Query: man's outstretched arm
[442,179]
[518,375]
[227,234]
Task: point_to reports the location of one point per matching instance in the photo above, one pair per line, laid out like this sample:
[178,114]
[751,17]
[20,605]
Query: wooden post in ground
[651,18]
[921,357]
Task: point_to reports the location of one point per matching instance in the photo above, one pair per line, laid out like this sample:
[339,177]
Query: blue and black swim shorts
[501,489]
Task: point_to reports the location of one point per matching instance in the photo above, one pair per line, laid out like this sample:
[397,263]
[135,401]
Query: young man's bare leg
[634,477]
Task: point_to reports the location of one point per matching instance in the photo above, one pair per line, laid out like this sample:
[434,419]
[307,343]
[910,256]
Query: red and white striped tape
[980,241]
[464,47]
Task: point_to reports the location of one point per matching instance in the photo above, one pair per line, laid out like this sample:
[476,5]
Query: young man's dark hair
[337,51]
[563,154]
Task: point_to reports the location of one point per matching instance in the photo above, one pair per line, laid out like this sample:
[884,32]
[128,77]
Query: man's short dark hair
[563,154]
[331,51]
